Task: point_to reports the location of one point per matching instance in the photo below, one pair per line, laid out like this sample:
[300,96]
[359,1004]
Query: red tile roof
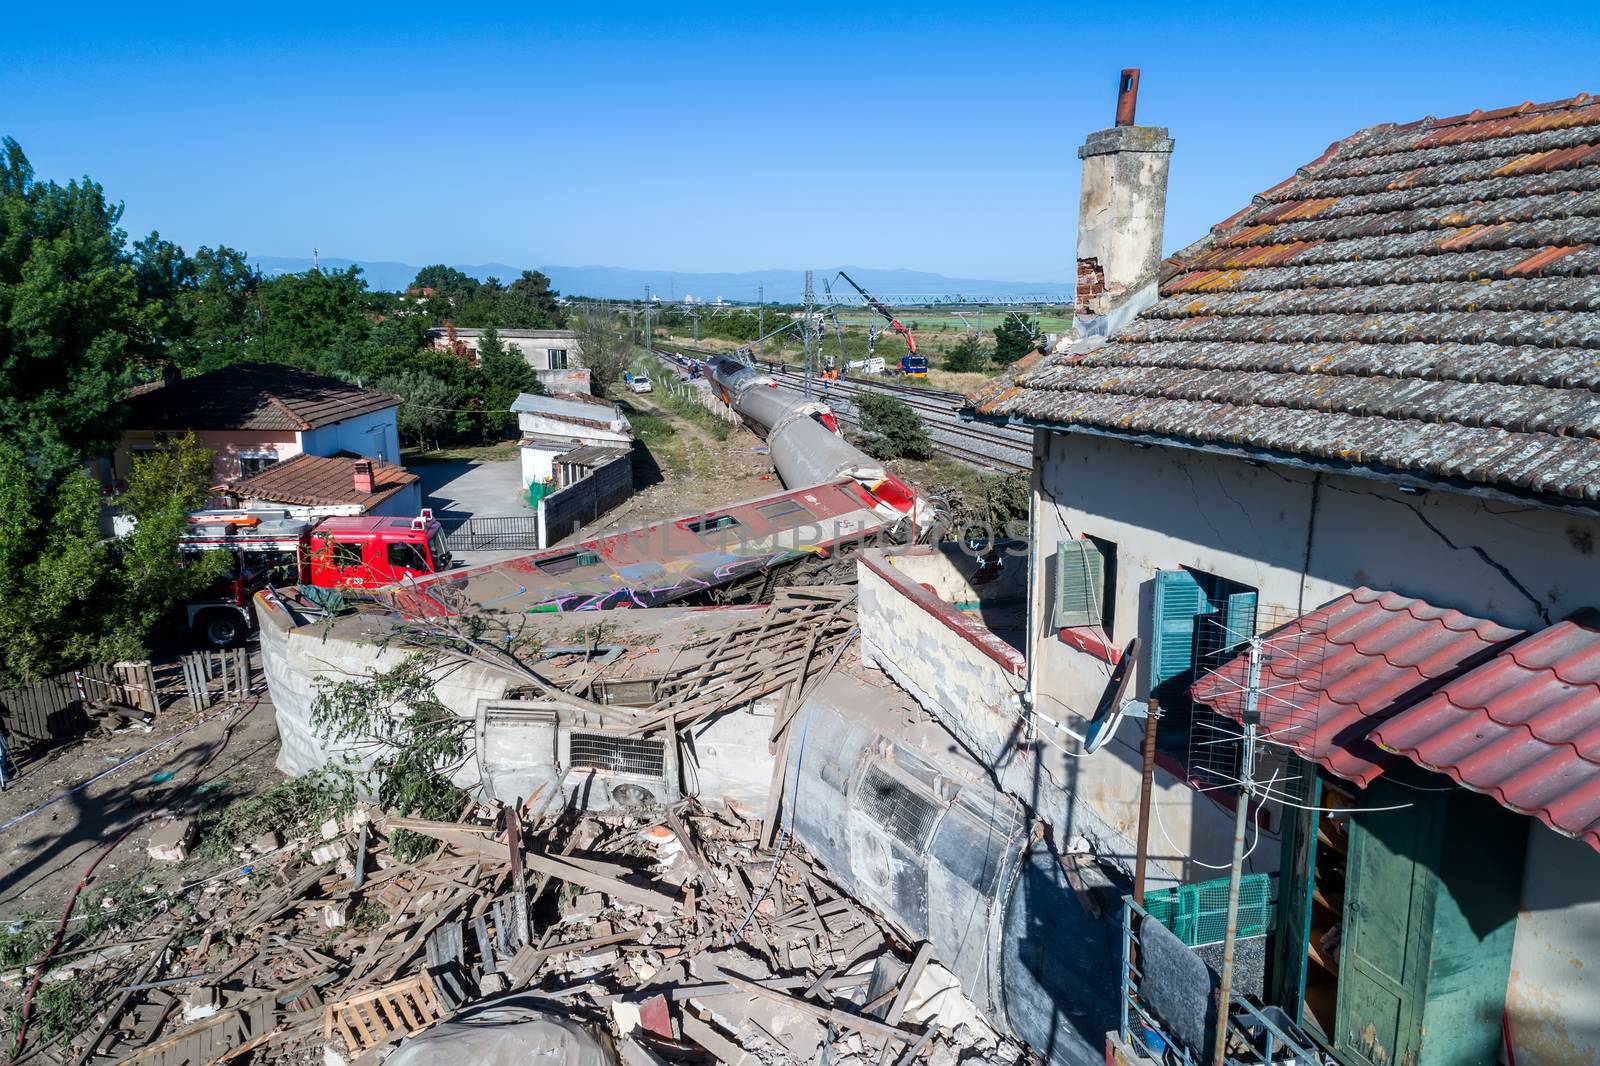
[320,481]
[1334,674]
[258,396]
[1422,300]
[1523,728]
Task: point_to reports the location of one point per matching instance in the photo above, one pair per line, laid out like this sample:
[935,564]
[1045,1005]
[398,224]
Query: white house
[1356,427]
[555,354]
[554,425]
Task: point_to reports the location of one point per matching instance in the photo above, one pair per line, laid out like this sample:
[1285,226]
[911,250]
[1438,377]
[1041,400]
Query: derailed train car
[909,824]
[804,440]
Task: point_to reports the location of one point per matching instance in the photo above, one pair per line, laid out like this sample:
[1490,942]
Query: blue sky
[933,136]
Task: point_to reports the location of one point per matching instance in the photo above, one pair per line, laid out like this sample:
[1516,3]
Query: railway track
[1005,449]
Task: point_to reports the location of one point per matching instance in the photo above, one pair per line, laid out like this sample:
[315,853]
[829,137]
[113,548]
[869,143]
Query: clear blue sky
[933,136]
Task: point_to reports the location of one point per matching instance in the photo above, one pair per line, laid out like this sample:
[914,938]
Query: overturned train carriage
[914,828]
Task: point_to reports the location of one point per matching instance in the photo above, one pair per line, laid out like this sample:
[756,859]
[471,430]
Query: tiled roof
[320,481]
[1523,728]
[1421,299]
[1331,676]
[258,396]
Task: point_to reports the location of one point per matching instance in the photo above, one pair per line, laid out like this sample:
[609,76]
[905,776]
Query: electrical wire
[1225,866]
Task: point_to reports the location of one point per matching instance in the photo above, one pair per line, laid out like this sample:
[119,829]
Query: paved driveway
[459,489]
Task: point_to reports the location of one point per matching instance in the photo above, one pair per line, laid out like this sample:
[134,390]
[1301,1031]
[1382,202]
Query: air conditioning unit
[614,771]
[523,746]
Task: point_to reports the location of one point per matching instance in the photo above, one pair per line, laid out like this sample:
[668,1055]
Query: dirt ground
[56,816]
[688,472]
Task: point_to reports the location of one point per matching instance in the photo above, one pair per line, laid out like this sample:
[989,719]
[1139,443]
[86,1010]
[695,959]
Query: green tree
[506,375]
[306,318]
[424,409]
[965,357]
[446,281]
[52,559]
[1014,338]
[74,323]
[152,576]
[892,428]
[396,741]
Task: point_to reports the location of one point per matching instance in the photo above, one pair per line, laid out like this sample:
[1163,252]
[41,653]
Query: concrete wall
[539,461]
[297,662]
[949,661]
[560,513]
[374,435]
[1553,996]
[573,381]
[228,446]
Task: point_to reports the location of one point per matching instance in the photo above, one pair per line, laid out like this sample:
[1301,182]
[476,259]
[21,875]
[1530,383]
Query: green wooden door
[1387,913]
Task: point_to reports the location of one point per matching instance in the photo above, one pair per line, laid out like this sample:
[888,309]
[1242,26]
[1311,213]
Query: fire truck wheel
[220,629]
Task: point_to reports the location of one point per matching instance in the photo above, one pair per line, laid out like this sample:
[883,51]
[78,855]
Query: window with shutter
[1178,600]
[1080,584]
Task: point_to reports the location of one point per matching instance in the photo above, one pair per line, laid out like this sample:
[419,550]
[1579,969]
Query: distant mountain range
[618,283]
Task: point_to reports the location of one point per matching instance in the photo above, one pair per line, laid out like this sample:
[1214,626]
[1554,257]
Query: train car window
[561,564]
[780,509]
[711,525]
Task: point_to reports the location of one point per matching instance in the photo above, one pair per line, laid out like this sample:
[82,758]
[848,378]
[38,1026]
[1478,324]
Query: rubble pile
[670,935]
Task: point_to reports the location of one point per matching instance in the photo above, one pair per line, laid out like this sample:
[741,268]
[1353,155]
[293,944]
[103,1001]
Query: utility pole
[810,339]
[761,309]
[694,316]
[649,335]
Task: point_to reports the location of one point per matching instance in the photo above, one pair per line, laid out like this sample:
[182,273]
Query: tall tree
[306,316]
[52,558]
[1014,338]
[73,321]
[151,576]
[506,374]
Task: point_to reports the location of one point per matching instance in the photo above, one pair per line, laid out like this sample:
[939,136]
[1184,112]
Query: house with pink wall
[254,415]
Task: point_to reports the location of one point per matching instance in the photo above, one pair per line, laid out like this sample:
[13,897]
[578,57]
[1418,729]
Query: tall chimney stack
[1122,206]
[363,477]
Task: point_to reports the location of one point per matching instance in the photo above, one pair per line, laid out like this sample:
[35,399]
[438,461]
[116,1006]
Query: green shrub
[891,428]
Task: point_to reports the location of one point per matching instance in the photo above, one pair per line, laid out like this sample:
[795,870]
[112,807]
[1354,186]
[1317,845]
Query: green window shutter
[1080,584]
[1239,615]
[1178,600]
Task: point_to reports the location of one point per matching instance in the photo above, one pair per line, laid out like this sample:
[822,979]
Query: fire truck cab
[270,547]
[375,550]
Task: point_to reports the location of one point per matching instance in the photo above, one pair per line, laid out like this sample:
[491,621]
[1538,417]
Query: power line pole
[810,339]
[649,334]
[761,309]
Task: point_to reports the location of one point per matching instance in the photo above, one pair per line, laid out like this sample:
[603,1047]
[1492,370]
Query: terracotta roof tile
[255,396]
[320,481]
[1423,299]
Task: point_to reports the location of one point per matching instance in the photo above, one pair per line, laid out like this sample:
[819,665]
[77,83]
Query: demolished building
[957,748]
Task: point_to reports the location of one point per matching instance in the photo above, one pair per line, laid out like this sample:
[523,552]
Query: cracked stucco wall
[1521,566]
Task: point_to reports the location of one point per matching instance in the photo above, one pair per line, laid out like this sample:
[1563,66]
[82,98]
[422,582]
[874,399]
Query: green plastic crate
[1198,913]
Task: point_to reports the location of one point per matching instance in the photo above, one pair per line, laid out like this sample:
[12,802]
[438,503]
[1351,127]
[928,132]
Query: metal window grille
[906,815]
[628,755]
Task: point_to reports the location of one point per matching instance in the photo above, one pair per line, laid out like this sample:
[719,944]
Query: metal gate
[512,532]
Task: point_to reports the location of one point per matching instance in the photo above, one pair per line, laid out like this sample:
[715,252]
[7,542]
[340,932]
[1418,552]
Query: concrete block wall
[562,512]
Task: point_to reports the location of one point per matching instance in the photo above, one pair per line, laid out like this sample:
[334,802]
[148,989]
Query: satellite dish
[1108,715]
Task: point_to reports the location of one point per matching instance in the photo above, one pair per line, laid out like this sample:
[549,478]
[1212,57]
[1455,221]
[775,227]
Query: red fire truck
[271,547]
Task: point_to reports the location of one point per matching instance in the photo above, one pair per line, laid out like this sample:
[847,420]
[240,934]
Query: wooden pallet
[372,1018]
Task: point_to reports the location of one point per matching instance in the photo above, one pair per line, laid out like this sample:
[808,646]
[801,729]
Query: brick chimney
[363,477]
[1122,207]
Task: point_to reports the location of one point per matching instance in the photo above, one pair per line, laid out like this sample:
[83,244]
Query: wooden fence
[56,707]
